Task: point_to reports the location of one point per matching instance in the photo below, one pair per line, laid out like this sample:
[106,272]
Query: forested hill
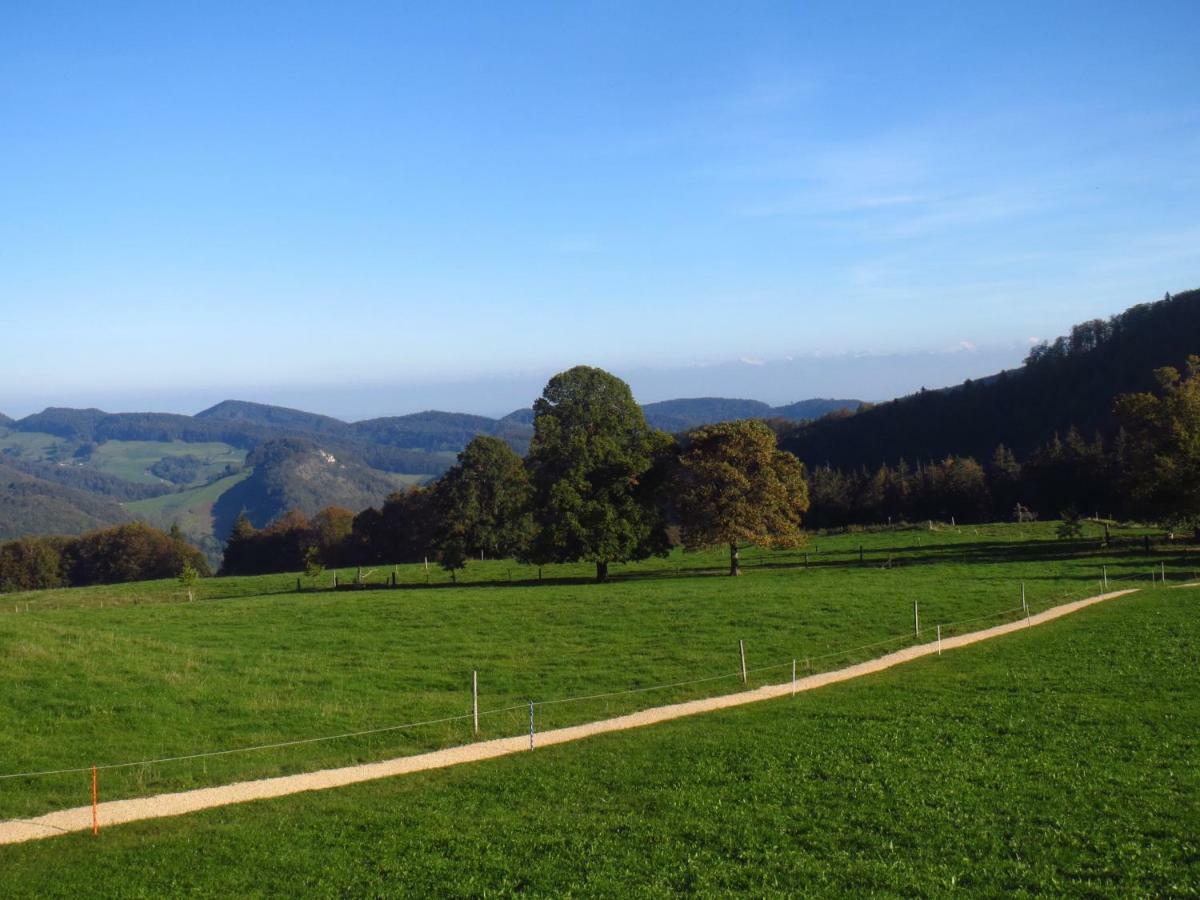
[246,413]
[682,415]
[1070,382]
[32,505]
[393,443]
[4,420]
[296,474]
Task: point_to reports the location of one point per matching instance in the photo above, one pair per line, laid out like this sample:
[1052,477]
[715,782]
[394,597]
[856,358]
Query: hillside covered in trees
[33,505]
[1069,382]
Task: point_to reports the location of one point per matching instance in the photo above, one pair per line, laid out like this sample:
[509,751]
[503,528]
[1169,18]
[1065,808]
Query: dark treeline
[1068,474]
[133,552]
[1071,380]
[401,530]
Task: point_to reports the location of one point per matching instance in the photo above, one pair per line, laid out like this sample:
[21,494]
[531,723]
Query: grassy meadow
[125,673]
[29,446]
[132,460]
[1062,760]
[190,509]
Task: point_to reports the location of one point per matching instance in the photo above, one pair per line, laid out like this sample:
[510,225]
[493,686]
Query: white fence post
[916,618]
[742,651]
[475,699]
[530,724]
[793,678]
[939,640]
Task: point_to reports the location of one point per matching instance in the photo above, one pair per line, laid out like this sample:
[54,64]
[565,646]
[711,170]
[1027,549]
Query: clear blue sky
[197,198]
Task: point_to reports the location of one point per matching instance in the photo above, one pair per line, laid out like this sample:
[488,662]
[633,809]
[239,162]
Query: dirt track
[116,812]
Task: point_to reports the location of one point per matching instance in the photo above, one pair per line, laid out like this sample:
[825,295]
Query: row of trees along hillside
[1149,469]
[132,552]
[1069,382]
[597,485]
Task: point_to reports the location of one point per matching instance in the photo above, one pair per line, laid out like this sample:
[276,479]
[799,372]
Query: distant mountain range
[69,470]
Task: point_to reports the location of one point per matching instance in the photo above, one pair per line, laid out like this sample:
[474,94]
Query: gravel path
[116,812]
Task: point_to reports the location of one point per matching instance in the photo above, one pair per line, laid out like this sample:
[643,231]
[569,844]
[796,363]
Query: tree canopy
[591,449]
[1163,444]
[482,504]
[735,485]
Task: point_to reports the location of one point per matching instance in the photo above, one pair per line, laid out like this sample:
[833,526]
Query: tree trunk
[602,571]
[735,563]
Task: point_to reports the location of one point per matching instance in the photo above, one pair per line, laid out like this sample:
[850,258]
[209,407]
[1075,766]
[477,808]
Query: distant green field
[132,460]
[1063,760]
[252,662]
[190,509]
[31,446]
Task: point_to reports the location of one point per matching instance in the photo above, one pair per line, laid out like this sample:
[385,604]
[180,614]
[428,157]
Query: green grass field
[30,446]
[132,460]
[190,509]
[1063,760]
[131,672]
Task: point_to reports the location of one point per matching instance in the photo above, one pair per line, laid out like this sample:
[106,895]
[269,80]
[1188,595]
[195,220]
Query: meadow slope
[1059,759]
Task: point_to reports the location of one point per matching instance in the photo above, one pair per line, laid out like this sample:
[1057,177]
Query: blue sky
[272,199]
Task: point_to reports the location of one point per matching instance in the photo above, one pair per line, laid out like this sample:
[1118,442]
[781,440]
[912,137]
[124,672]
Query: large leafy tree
[591,464]
[482,504]
[735,485]
[1162,445]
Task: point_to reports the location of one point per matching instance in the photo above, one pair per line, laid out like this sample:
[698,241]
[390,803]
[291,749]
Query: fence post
[1164,572]
[939,640]
[742,651]
[1104,570]
[95,803]
[530,724]
[475,699]
[916,617]
[793,678]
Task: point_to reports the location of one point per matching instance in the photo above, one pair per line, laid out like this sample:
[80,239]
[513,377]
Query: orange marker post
[95,798]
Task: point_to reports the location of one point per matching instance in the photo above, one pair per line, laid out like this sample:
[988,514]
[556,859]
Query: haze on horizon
[362,210]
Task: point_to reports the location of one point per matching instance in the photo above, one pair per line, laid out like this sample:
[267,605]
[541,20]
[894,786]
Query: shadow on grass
[1125,563]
